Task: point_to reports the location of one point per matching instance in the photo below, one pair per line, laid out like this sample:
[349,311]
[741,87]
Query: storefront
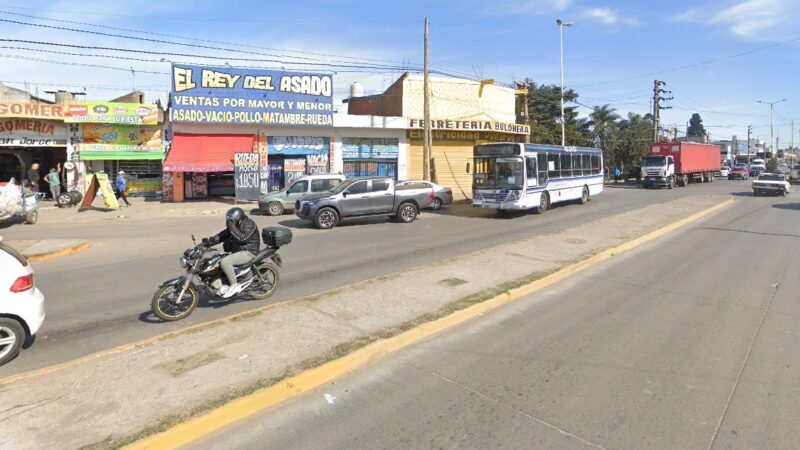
[364,156]
[120,137]
[464,113]
[31,133]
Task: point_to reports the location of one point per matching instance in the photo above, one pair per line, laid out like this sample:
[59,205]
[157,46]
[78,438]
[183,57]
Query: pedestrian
[617,174]
[121,186]
[33,177]
[55,183]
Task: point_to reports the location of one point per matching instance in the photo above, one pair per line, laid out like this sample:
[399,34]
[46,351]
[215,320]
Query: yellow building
[463,113]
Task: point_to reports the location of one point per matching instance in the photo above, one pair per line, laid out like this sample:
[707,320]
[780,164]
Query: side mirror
[193,239]
[344,194]
[467,167]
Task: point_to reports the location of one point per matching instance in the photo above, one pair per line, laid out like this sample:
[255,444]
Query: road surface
[100,298]
[687,342]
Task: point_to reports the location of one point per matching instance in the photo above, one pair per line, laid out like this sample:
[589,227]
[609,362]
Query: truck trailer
[679,163]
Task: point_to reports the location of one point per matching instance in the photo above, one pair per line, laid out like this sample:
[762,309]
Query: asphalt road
[687,342]
[100,298]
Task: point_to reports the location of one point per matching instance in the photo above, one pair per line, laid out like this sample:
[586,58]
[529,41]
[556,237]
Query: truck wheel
[407,213]
[12,335]
[544,203]
[585,195]
[326,218]
[274,208]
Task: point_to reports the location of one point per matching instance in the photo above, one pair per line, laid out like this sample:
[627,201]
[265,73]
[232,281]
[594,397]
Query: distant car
[277,202]
[724,171]
[441,195]
[771,183]
[794,174]
[21,303]
[362,197]
[739,173]
[756,169]
[783,168]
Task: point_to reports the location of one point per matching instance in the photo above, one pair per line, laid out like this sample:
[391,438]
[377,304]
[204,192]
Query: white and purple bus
[512,176]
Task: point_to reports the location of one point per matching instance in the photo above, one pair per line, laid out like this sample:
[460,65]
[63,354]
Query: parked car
[277,202]
[364,196]
[441,195]
[756,169]
[739,173]
[724,171]
[794,174]
[21,302]
[771,183]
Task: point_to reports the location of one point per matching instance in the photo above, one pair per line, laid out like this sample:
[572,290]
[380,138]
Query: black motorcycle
[178,297]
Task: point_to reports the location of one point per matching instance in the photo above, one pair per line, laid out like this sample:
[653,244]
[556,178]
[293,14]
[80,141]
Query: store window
[370,156]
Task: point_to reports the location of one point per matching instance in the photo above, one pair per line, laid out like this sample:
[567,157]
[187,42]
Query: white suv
[21,303]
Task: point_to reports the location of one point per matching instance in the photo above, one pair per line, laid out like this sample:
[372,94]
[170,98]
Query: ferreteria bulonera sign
[232,95]
[470,125]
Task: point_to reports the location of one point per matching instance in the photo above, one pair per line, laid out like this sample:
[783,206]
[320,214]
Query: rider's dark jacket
[236,238]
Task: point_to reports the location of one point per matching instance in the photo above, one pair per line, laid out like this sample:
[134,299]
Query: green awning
[120,155]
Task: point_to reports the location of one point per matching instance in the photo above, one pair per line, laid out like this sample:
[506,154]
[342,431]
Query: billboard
[111,112]
[229,95]
[298,145]
[108,136]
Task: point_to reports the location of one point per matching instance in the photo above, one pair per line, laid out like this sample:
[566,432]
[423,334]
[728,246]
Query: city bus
[512,176]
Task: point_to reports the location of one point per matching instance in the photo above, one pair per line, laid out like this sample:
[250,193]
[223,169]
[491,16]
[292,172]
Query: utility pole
[657,91]
[771,123]
[561,24]
[749,130]
[426,146]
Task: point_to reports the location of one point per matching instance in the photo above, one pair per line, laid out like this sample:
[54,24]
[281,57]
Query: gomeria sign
[31,110]
[32,133]
[250,96]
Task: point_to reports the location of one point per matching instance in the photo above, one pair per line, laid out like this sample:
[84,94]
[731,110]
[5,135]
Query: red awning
[206,152]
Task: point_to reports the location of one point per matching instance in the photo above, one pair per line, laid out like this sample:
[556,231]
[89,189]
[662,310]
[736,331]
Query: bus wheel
[585,195]
[544,203]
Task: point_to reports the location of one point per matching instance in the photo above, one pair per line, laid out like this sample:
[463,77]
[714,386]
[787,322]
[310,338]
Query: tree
[696,128]
[604,126]
[635,135]
[544,108]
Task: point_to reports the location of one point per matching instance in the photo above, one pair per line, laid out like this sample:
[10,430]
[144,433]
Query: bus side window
[566,165]
[542,160]
[553,165]
[595,164]
[531,169]
[586,164]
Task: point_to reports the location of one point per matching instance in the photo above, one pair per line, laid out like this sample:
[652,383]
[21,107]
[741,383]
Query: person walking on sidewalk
[55,183]
[121,186]
[33,177]
[240,238]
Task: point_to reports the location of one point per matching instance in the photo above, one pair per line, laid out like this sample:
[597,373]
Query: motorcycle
[175,299]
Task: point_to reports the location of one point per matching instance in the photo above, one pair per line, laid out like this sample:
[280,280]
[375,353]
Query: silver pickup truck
[364,196]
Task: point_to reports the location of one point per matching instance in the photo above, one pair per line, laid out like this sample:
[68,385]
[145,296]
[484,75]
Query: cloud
[524,7]
[609,16]
[750,19]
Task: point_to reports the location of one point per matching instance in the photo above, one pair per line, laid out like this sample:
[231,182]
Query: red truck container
[678,163]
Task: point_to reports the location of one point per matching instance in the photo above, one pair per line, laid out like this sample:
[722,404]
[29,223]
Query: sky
[718,57]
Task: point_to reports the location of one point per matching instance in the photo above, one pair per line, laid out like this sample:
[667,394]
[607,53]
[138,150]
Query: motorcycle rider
[240,238]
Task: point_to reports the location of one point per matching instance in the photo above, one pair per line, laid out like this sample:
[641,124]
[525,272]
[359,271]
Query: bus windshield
[654,161]
[498,173]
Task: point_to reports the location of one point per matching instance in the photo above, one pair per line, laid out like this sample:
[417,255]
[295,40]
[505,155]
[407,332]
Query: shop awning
[206,152]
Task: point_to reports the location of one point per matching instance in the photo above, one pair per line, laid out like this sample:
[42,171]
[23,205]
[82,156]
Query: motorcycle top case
[276,236]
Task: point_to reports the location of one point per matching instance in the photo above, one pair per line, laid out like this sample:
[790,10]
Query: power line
[68,63]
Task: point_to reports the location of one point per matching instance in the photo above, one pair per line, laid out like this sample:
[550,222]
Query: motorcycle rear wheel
[271,277]
[166,307]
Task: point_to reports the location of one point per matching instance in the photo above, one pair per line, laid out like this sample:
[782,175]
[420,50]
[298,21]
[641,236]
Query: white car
[21,303]
[724,171]
[770,183]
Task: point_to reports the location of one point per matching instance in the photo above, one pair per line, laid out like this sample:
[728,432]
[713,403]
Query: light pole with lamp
[561,25]
[771,129]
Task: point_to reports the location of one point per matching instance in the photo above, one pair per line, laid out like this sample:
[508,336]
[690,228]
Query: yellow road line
[242,408]
[58,253]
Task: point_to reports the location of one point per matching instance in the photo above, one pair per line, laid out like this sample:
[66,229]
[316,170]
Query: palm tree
[603,121]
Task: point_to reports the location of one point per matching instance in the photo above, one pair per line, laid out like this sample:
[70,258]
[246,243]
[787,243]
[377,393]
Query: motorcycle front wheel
[169,308]
[267,278]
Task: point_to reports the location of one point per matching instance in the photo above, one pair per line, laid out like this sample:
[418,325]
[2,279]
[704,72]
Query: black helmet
[235,215]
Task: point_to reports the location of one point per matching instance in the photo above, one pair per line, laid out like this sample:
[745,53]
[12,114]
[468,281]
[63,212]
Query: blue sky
[612,54]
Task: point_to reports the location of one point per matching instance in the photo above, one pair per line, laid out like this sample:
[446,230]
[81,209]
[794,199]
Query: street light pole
[771,122]
[561,25]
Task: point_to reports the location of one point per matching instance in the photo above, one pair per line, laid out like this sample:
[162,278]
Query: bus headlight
[513,196]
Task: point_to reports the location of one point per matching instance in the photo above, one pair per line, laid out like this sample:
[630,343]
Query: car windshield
[655,161]
[771,177]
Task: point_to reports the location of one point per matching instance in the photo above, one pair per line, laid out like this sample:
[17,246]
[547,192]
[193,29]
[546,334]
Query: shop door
[275,176]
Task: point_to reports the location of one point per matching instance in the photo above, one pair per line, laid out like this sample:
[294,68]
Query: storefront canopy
[206,152]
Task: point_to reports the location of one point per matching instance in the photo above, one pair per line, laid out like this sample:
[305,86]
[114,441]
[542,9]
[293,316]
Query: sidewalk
[40,250]
[107,398]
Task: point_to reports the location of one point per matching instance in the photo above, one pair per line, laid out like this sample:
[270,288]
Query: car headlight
[184,262]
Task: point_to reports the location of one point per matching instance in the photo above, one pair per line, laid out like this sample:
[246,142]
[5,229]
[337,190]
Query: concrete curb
[66,251]
[244,407]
